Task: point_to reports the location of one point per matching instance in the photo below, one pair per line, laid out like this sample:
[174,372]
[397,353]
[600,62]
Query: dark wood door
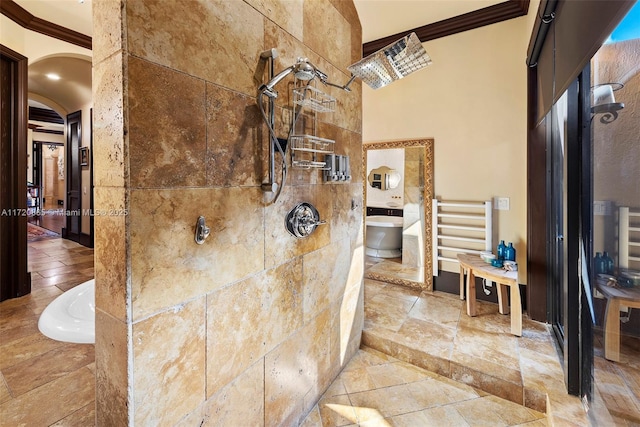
[15,280]
[73,229]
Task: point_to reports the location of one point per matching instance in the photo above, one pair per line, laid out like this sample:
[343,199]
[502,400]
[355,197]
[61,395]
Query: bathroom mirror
[384,178]
[410,203]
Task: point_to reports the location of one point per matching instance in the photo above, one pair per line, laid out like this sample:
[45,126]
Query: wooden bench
[616,297]
[476,267]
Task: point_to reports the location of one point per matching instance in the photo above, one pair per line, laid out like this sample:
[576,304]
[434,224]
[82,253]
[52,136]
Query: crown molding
[22,17]
[458,24]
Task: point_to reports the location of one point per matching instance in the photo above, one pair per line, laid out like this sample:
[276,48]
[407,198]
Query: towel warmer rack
[460,227]
[628,236]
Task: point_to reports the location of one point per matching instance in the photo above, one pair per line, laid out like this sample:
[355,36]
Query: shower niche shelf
[314,99]
[305,151]
[308,149]
[312,144]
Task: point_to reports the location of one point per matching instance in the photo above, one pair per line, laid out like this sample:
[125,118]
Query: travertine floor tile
[385,402]
[432,338]
[396,373]
[36,371]
[389,313]
[439,392]
[356,380]
[416,398]
[337,411]
[492,411]
[51,402]
[83,417]
[4,390]
[437,309]
[481,351]
[441,415]
[374,389]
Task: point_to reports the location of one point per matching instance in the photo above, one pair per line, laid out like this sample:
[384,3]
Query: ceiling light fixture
[53,76]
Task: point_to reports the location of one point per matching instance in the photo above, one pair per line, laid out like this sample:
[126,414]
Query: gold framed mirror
[414,267]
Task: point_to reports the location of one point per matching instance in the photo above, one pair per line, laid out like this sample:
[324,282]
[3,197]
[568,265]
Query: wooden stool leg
[502,298]
[516,311]
[461,282]
[471,293]
[612,330]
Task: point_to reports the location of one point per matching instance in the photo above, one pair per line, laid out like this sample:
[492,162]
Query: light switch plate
[602,207]
[502,203]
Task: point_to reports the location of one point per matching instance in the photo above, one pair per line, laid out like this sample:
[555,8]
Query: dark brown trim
[91,223]
[537,248]
[15,279]
[469,21]
[54,132]
[45,115]
[22,17]
[60,144]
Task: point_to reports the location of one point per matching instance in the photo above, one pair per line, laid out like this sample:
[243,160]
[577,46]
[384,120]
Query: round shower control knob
[302,220]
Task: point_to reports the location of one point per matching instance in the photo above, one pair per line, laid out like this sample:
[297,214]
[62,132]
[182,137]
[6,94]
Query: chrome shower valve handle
[302,220]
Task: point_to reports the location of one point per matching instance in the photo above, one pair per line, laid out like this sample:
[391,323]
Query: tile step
[517,393]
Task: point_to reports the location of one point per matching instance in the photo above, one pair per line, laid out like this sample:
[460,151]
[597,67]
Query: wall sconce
[52,147]
[604,102]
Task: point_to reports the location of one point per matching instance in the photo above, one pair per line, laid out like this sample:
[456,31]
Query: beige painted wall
[34,45]
[472,100]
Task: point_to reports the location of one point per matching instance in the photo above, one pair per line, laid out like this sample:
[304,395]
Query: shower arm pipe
[343,87]
[324,78]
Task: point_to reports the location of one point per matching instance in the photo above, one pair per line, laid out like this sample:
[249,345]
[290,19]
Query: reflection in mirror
[403,170]
[384,178]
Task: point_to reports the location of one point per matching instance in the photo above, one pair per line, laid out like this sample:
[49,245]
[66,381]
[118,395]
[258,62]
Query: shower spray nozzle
[302,69]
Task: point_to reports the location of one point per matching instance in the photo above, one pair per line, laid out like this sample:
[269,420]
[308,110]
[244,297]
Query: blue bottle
[598,264]
[607,263]
[501,248]
[510,252]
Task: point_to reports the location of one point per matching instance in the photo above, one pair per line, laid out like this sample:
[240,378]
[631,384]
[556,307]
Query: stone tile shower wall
[251,327]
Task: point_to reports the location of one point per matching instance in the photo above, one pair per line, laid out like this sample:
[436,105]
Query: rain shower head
[392,63]
[302,69]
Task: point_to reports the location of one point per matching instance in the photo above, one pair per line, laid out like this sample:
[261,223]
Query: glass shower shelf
[314,99]
[312,144]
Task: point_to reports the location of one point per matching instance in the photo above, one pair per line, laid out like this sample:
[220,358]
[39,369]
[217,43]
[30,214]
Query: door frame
[74,167]
[585,234]
[15,279]
[573,330]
